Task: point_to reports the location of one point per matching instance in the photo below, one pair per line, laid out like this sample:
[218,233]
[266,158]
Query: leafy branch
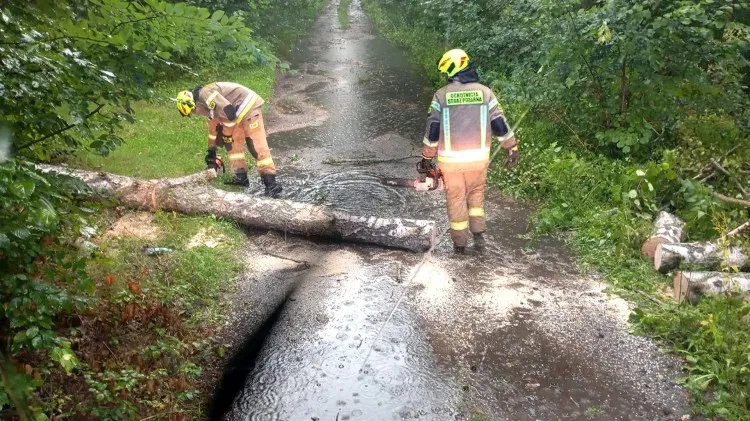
[57,132]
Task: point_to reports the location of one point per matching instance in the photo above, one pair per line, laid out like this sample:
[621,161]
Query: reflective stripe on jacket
[214,97]
[464,112]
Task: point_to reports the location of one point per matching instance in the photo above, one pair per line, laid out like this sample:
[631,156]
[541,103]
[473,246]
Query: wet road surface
[515,334]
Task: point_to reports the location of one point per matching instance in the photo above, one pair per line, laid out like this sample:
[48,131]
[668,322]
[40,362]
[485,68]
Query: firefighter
[235,119]
[463,117]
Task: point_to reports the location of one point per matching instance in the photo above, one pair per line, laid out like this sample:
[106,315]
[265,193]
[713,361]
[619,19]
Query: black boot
[239,179]
[480,244]
[273,189]
[459,249]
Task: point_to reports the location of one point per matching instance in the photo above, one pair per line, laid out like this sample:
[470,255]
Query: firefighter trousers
[251,132]
[465,196]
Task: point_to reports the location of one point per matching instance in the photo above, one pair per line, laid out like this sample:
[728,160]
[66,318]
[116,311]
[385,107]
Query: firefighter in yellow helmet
[235,119]
[463,117]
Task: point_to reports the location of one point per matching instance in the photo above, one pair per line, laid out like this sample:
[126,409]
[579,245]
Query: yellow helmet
[185,103]
[453,62]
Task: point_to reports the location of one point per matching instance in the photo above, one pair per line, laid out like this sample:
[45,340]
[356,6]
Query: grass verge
[143,345]
[599,204]
[343,11]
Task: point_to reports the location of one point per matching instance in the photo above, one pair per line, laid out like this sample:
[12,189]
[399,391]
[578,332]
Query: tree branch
[732,200]
[739,229]
[725,172]
[114,28]
[57,132]
[624,85]
[570,128]
[597,82]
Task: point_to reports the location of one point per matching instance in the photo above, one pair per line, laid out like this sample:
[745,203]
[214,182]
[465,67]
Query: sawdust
[206,238]
[136,224]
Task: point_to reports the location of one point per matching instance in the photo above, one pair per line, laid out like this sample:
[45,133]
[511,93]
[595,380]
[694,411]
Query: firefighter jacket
[225,103]
[463,117]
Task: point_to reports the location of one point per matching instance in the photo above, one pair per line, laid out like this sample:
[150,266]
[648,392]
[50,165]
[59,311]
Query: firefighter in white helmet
[463,117]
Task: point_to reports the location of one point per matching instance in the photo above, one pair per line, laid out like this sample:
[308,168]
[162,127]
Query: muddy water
[515,334]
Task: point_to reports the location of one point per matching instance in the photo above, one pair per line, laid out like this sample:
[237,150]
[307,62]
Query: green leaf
[23,189]
[632,194]
[640,173]
[217,15]
[32,332]
[19,337]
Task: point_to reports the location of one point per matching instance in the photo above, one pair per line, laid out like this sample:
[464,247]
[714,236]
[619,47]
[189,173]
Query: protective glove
[512,158]
[425,165]
[213,162]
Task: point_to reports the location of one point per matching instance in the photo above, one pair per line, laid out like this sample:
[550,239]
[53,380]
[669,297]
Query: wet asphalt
[514,334]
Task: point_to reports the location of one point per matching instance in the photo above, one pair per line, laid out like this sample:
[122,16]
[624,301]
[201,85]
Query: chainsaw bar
[410,183]
[398,182]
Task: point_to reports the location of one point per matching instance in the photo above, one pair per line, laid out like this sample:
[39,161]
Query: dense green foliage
[74,76]
[41,273]
[279,22]
[618,106]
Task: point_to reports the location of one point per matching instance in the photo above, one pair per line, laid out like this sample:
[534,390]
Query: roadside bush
[42,271]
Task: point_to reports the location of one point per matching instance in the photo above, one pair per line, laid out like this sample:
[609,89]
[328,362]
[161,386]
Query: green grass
[162,143]
[343,10]
[189,279]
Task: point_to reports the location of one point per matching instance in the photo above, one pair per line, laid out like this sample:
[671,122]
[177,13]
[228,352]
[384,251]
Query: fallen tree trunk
[667,229]
[192,195]
[670,256]
[694,285]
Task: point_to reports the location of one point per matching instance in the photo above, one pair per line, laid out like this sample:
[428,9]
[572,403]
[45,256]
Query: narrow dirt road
[515,334]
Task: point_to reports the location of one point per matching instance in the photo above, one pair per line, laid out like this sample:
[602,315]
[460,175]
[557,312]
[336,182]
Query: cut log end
[667,229]
[692,286]
[679,286]
[650,246]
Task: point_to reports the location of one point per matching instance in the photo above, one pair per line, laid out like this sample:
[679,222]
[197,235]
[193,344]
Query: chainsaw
[431,180]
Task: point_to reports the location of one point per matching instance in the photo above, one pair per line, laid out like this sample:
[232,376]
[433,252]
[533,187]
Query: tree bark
[667,229]
[670,256]
[192,195]
[694,285]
